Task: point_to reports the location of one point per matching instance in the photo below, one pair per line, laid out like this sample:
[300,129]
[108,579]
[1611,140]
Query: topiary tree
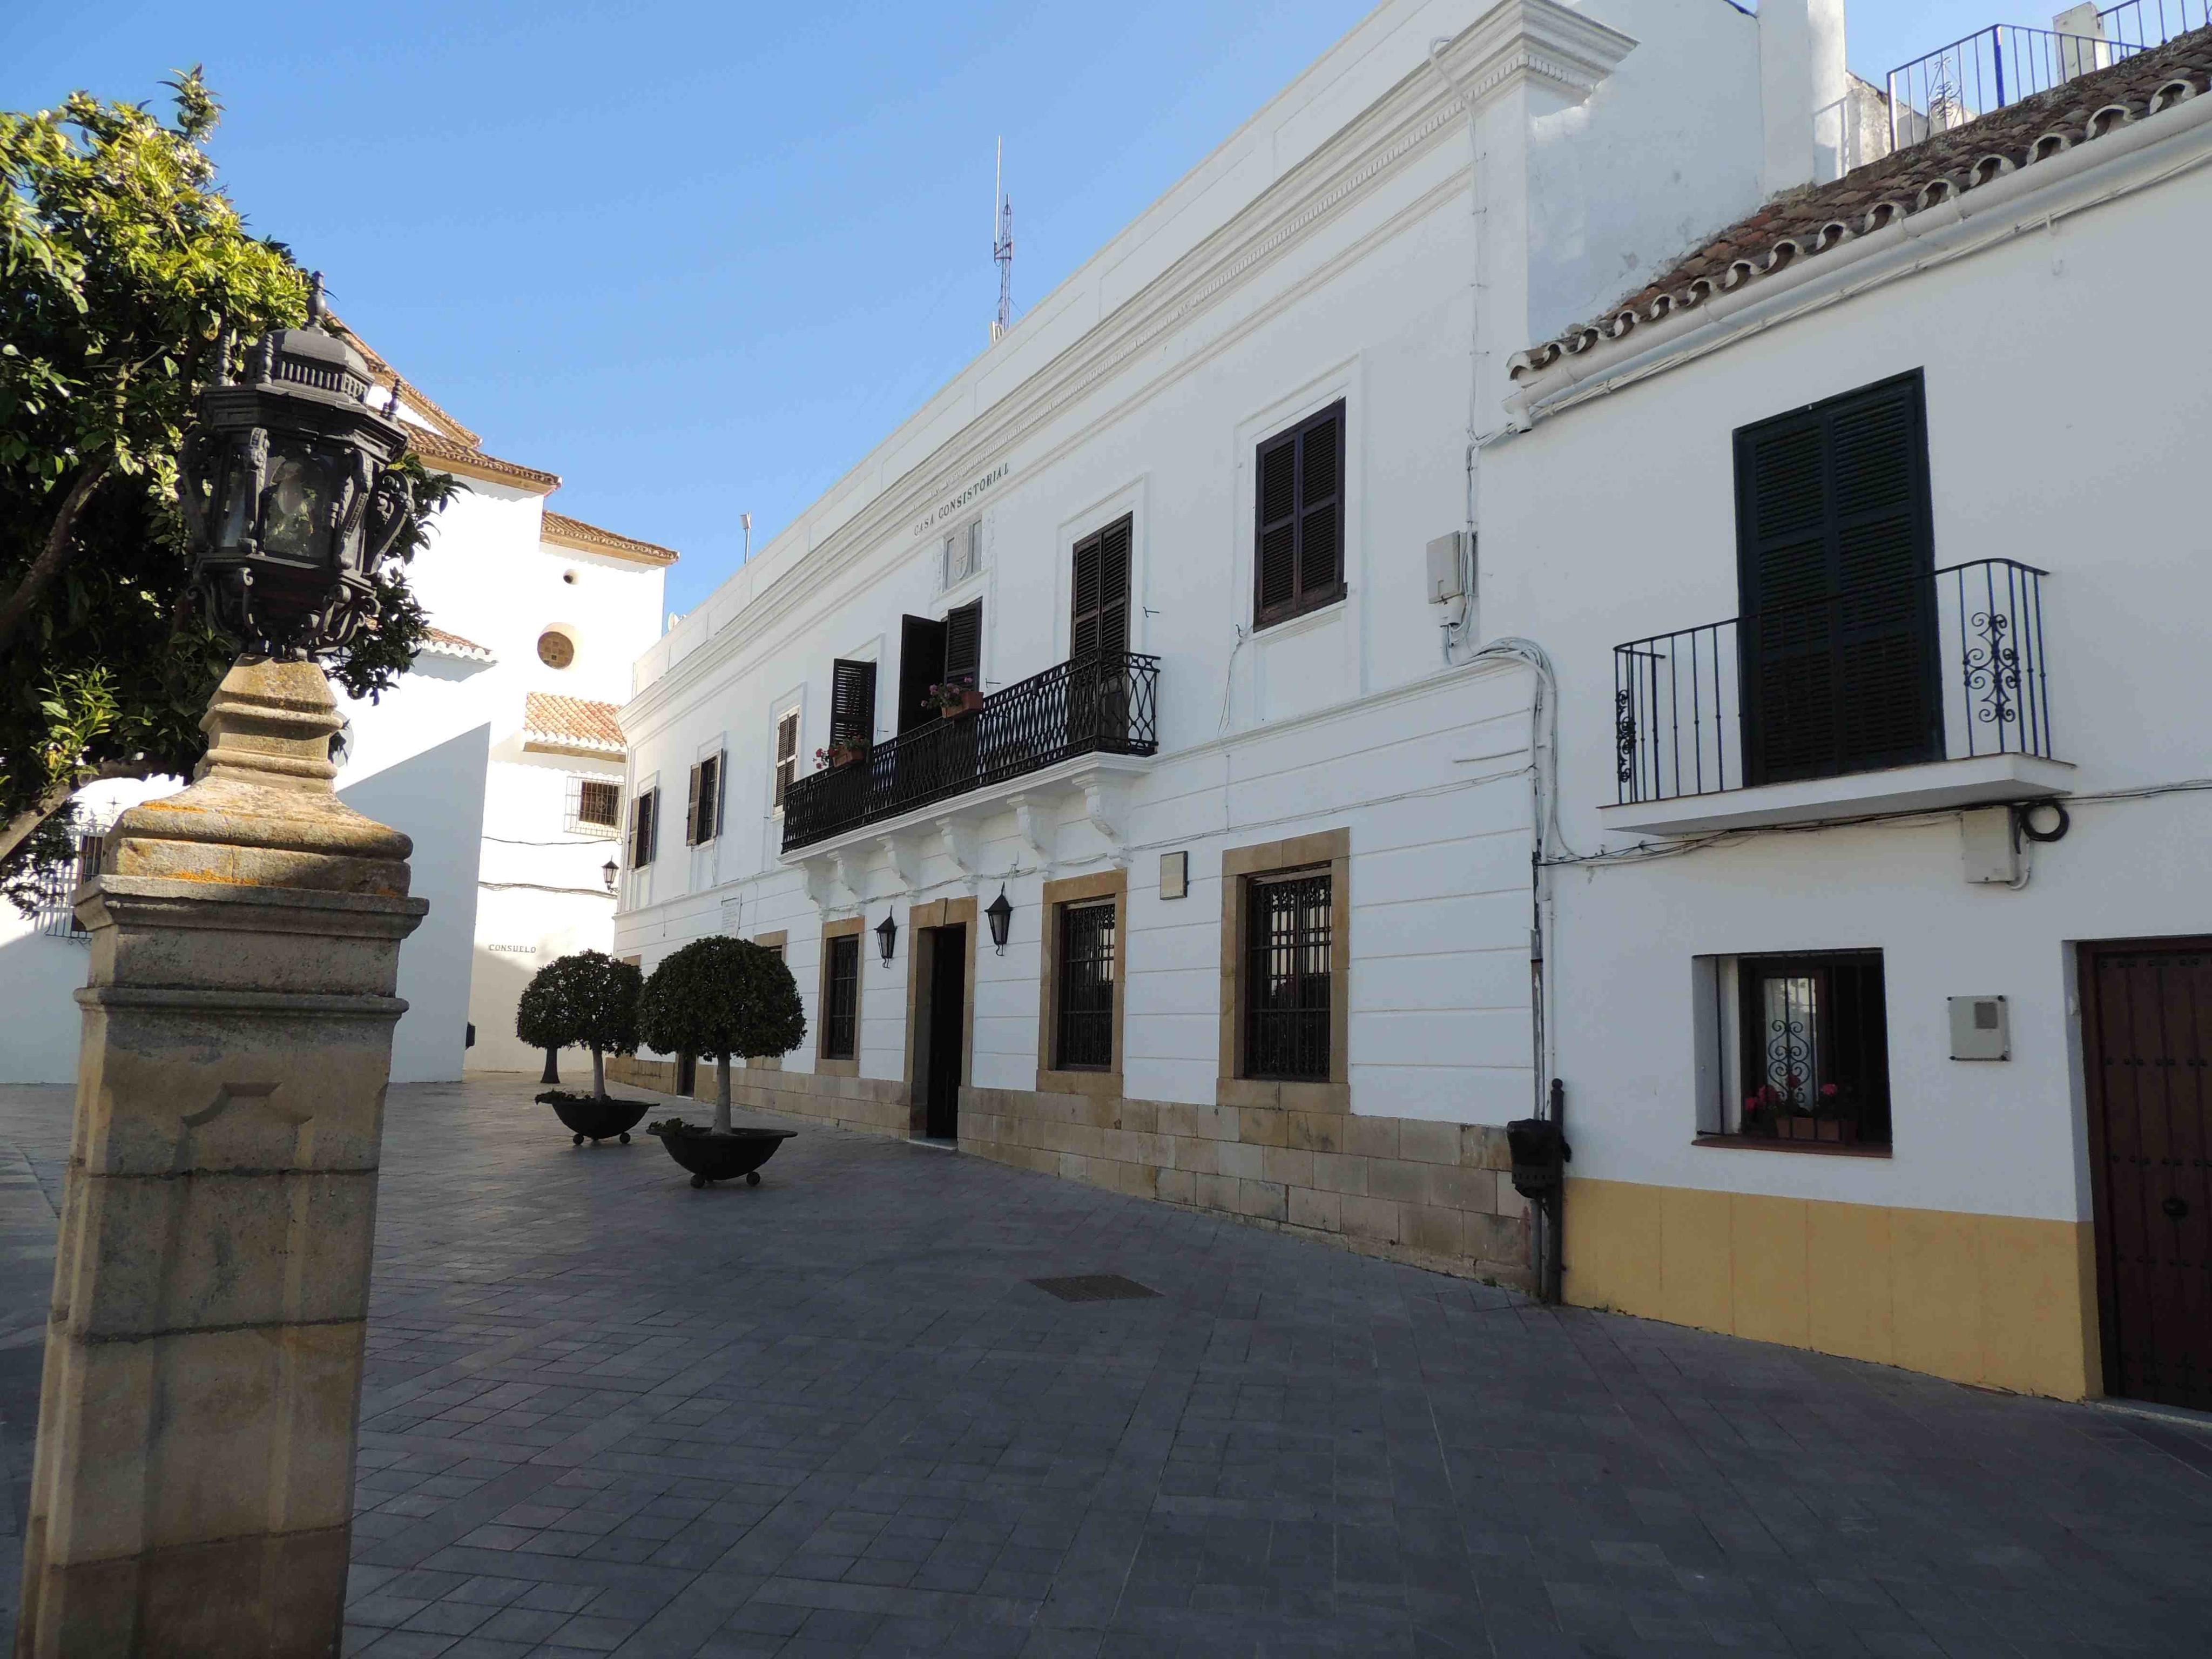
[536,1024]
[722,997]
[585,999]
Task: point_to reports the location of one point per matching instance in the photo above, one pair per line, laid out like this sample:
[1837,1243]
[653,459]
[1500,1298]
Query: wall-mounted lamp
[887,938]
[999,914]
[608,872]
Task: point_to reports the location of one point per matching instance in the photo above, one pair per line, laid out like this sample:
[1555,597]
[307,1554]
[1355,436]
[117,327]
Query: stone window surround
[853,926]
[1331,849]
[780,942]
[1074,890]
[939,913]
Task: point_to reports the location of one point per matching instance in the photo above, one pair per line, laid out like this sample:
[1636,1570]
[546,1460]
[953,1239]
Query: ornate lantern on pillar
[287,494]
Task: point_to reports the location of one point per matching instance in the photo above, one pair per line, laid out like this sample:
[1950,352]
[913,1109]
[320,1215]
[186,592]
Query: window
[1288,944]
[555,649]
[963,553]
[1100,593]
[787,753]
[644,829]
[934,653]
[703,816]
[841,997]
[1811,1060]
[852,705]
[1298,548]
[1084,1026]
[1835,546]
[594,807]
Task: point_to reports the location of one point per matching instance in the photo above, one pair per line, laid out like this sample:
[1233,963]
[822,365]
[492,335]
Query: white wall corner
[1540,41]
[1803,93]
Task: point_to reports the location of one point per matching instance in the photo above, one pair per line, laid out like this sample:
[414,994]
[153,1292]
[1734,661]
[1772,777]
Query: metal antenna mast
[1002,247]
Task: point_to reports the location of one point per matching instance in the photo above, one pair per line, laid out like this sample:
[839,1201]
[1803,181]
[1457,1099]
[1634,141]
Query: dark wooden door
[948,1029]
[2146,1035]
[921,664]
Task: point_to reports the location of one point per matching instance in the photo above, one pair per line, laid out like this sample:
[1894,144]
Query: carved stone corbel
[962,846]
[819,876]
[905,860]
[1105,797]
[1034,829]
[852,872]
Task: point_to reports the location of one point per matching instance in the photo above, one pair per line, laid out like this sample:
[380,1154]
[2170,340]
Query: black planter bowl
[592,1119]
[713,1155]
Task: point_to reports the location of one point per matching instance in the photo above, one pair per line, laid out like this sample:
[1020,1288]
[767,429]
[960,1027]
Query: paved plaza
[830,1415]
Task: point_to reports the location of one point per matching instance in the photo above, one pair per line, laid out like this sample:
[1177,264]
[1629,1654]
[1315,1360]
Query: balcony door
[1098,633]
[1835,552]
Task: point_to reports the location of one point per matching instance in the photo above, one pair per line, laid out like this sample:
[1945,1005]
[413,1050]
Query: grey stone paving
[608,1413]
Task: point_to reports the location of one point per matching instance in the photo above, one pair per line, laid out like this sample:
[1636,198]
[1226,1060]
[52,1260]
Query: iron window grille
[840,997]
[593,807]
[1084,1030]
[1297,562]
[787,754]
[57,884]
[1289,947]
[1815,1056]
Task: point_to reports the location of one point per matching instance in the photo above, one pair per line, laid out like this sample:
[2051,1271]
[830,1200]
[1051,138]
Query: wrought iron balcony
[1950,666]
[1101,704]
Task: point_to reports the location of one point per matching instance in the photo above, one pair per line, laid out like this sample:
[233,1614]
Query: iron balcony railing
[1106,703]
[1947,667]
[2004,64]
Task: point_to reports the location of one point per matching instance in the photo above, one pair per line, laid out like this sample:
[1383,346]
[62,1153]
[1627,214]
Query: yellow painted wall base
[1996,1300]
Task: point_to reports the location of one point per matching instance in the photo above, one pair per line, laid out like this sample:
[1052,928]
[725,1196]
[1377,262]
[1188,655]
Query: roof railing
[2004,64]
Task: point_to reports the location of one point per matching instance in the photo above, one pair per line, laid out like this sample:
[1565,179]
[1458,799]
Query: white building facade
[498,753]
[1196,534]
[1873,575]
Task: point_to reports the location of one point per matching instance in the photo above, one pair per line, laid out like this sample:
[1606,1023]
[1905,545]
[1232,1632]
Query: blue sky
[697,258]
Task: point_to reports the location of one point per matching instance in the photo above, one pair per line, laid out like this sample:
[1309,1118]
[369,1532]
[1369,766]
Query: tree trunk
[21,828]
[598,1073]
[722,1094]
[552,1067]
[16,604]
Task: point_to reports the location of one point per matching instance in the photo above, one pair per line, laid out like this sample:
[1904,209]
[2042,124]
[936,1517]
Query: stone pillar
[192,1490]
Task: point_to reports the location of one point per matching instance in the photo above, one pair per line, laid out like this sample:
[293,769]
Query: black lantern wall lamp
[608,872]
[1000,914]
[887,937]
[286,492]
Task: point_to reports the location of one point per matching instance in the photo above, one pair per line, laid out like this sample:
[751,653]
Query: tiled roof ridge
[553,718]
[453,645]
[436,447]
[1811,221]
[613,541]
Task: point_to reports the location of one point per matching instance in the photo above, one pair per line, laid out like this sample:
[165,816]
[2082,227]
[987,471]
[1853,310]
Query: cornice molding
[1533,41]
[1517,38]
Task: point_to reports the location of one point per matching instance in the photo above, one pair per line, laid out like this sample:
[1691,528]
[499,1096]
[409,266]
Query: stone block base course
[1433,1195]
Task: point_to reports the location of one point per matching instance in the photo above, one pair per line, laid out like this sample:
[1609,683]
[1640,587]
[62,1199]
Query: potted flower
[840,754]
[954,698]
[586,1000]
[721,996]
[1835,1114]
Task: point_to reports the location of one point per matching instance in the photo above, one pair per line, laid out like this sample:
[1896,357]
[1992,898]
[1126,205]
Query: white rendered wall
[1348,717]
[1615,520]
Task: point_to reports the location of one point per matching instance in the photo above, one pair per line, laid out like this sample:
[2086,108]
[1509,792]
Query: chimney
[1802,89]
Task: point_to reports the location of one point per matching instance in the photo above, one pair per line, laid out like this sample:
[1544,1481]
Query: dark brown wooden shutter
[1835,545]
[852,704]
[964,644]
[642,828]
[921,664]
[1277,543]
[692,835]
[1099,594]
[721,792]
[1298,563]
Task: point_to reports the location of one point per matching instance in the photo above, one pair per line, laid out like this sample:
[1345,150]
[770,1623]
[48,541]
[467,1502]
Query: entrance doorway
[943,1030]
[2147,1040]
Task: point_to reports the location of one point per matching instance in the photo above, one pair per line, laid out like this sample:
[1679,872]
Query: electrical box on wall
[1447,564]
[1981,1027]
[1175,875]
[1989,846]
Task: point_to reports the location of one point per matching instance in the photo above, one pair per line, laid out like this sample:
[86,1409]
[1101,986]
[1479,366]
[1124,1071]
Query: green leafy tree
[721,997]
[586,1000]
[122,267]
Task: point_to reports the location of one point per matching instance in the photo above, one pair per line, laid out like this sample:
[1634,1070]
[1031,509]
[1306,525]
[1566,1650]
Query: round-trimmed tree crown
[587,999]
[722,996]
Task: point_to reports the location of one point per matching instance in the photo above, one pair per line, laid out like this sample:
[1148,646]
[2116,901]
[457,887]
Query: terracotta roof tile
[453,645]
[435,448]
[1809,221]
[565,531]
[571,722]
